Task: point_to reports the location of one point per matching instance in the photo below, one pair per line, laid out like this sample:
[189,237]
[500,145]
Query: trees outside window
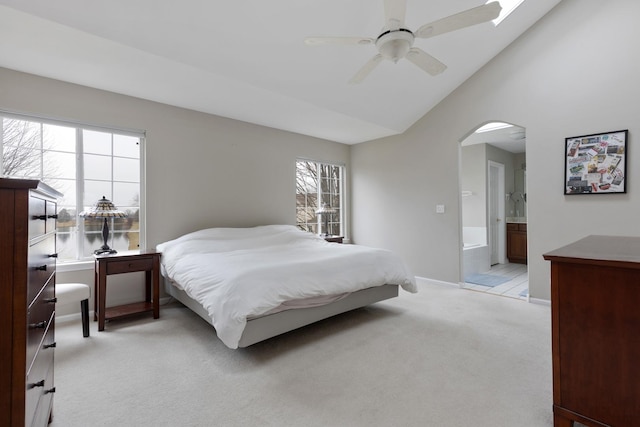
[84,164]
[318,183]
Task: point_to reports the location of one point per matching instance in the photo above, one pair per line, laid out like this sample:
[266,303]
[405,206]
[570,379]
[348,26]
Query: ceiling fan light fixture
[394,45]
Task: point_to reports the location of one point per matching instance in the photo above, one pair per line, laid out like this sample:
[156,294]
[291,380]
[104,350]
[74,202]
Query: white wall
[473,178]
[574,73]
[202,170]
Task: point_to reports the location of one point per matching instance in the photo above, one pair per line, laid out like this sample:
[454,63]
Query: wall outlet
[440,209]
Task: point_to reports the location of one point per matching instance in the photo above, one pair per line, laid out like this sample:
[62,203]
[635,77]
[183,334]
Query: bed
[254,283]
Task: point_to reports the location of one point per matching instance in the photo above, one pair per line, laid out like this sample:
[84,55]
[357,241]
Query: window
[85,164]
[318,183]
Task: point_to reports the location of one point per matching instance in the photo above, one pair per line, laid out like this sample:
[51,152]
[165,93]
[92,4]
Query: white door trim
[496,199]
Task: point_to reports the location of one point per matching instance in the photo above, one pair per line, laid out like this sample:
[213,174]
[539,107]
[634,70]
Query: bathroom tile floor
[516,287]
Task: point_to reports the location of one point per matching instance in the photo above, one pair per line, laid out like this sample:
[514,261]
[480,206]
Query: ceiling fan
[396,42]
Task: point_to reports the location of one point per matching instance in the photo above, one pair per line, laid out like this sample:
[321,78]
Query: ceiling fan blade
[469,17]
[315,41]
[394,13]
[366,69]
[425,61]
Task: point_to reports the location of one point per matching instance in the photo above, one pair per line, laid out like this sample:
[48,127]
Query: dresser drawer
[52,216]
[42,264]
[39,317]
[39,379]
[138,264]
[43,410]
[37,216]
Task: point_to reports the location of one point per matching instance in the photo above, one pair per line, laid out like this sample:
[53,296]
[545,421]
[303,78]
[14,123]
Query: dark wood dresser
[27,301]
[595,326]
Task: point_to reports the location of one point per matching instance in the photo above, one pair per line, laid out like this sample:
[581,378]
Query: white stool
[72,292]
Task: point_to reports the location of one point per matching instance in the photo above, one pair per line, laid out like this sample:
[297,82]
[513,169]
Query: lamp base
[105,251]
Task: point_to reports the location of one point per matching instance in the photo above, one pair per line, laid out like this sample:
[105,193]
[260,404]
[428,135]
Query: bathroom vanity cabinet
[517,242]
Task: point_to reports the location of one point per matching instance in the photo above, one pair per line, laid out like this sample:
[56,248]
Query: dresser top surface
[624,249]
[13,183]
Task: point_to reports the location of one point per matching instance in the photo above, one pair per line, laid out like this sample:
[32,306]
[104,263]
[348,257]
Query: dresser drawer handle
[52,255]
[51,300]
[51,390]
[52,345]
[41,268]
[39,325]
[34,385]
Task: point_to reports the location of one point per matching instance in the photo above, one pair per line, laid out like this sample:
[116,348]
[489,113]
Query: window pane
[95,190]
[126,169]
[126,195]
[66,243]
[21,133]
[59,138]
[22,144]
[59,165]
[21,162]
[96,142]
[97,167]
[126,146]
[68,189]
[125,241]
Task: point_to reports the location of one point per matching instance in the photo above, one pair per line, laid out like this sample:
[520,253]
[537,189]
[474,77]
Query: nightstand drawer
[138,264]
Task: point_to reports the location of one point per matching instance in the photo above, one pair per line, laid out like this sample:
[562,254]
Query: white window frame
[81,263]
[342,187]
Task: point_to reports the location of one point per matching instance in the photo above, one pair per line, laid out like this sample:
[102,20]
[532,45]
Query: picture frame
[596,163]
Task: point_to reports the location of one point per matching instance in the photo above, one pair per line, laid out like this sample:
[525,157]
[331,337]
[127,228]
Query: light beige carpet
[442,357]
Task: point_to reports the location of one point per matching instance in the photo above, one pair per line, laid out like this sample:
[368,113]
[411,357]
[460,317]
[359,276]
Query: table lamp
[104,208]
[325,211]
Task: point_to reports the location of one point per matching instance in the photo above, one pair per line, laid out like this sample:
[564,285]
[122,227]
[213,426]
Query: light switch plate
[440,209]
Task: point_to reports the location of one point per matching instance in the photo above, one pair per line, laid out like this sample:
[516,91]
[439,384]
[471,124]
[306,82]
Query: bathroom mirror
[520,193]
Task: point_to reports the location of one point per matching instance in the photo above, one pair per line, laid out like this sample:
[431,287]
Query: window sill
[64,267]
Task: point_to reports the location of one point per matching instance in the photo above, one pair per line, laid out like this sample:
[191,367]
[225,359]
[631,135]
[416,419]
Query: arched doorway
[494,210]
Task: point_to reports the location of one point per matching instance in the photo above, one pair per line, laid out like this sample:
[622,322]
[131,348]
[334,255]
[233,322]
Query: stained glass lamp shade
[104,208]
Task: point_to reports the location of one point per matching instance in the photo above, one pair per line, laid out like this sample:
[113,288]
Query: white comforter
[238,273]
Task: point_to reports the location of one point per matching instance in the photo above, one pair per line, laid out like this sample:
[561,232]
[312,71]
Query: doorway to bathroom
[494,210]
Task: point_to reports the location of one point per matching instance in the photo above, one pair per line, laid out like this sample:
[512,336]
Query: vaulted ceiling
[247,59]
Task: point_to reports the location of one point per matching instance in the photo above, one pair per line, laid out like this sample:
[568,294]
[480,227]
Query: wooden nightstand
[128,262]
[333,239]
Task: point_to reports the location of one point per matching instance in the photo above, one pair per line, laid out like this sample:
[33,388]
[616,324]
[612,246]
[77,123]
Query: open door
[496,221]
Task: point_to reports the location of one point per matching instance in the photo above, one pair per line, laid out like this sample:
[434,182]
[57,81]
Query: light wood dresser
[28,212]
[595,332]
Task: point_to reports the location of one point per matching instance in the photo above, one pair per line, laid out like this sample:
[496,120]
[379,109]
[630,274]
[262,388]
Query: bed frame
[262,328]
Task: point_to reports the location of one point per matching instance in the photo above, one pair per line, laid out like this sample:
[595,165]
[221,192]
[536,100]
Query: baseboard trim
[540,301]
[77,316]
[426,280]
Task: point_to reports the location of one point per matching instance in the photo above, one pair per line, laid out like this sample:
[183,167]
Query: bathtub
[476,254]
